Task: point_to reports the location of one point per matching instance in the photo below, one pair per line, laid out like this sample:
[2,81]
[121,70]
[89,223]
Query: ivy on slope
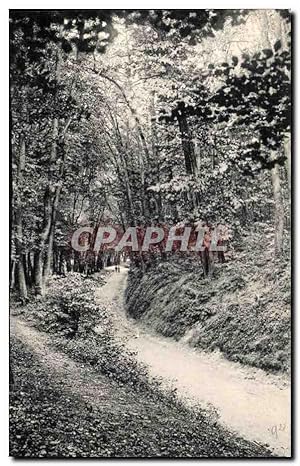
[242,311]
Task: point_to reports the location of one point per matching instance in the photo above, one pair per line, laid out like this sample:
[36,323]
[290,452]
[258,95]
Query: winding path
[246,400]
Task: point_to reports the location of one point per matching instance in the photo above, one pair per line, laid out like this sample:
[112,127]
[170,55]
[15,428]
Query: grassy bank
[242,311]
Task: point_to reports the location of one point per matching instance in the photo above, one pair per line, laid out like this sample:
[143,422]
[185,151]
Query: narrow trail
[74,411]
[248,400]
[71,376]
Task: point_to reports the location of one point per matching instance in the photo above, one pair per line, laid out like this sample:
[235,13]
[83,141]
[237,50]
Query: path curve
[248,400]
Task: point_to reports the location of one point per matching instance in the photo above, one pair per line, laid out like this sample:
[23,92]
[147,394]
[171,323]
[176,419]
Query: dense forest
[144,118]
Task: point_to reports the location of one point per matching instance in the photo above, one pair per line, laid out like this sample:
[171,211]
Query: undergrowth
[243,310]
[49,421]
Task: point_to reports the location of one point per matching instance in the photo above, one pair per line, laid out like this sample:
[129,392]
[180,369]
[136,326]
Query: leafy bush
[70,313]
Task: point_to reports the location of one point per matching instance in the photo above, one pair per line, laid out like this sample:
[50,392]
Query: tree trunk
[19,227]
[38,273]
[278,207]
[287,152]
[22,280]
[12,274]
[47,235]
[187,144]
[44,259]
[48,261]
[30,269]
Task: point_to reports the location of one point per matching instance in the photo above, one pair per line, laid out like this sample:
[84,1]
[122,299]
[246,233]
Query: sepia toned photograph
[150,233]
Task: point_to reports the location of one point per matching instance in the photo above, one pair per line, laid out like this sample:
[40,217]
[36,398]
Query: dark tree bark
[19,226]
[187,143]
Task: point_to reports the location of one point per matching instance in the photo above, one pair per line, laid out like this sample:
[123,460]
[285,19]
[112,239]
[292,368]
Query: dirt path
[248,401]
[73,377]
[62,408]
